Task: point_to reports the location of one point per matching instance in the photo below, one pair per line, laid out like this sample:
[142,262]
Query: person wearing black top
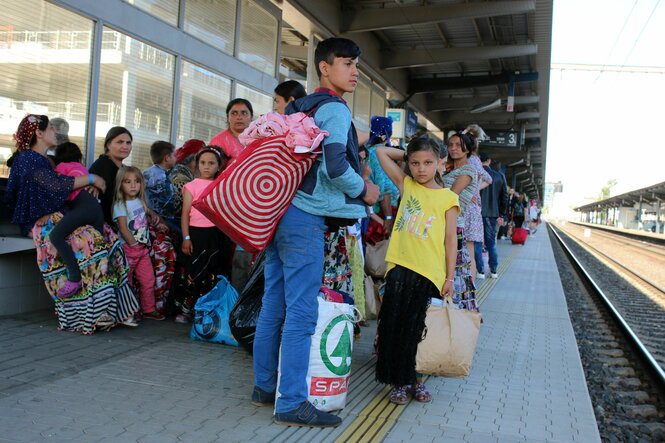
[117,147]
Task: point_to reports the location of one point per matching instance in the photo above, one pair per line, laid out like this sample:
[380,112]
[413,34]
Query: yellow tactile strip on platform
[379,416]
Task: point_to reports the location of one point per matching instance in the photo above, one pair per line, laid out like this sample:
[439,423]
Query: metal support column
[658,215]
[93,92]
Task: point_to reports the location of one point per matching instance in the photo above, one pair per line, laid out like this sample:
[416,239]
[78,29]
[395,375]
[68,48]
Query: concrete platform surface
[153,384]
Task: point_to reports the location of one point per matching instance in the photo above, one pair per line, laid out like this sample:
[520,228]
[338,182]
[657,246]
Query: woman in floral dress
[37,195]
[462,178]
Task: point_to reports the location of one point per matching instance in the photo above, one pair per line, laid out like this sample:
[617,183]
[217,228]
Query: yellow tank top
[417,240]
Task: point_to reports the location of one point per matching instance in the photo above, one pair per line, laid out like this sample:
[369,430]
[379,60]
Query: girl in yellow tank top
[423,242]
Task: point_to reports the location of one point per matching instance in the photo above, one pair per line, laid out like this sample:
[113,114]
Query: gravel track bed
[640,305]
[647,259]
[627,406]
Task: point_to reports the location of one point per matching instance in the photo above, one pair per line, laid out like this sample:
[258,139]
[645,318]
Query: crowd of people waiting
[105,234]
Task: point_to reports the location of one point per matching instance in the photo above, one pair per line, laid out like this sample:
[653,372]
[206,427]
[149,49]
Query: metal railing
[82,40]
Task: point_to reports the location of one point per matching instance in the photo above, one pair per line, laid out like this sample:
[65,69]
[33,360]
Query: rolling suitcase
[519,236]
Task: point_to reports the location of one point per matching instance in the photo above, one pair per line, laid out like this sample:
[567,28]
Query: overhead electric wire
[646,24]
[616,40]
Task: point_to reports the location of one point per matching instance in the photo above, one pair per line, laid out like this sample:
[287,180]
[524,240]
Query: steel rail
[623,232]
[653,248]
[644,279]
[649,361]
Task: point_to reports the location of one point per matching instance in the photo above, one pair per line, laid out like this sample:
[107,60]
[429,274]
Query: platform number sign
[502,139]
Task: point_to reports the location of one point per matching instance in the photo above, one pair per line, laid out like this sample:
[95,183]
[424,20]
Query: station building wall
[165,69]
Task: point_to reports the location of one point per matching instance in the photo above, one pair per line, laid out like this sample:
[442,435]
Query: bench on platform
[21,285]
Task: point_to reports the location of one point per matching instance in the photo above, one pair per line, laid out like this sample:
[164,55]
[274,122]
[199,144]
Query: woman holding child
[38,196]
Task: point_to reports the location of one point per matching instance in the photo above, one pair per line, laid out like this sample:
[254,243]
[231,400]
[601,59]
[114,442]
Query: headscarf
[26,130]
[191,146]
[380,127]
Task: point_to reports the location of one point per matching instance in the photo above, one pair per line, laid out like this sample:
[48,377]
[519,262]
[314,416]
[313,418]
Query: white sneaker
[130,322]
[480,276]
[494,275]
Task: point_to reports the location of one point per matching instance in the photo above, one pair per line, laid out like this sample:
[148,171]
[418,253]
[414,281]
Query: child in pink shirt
[84,209]
[208,250]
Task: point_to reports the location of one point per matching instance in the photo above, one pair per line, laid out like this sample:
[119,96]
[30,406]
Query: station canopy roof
[455,62]
[650,195]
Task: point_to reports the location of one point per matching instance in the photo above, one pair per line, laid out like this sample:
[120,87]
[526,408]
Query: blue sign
[411,123]
[396,116]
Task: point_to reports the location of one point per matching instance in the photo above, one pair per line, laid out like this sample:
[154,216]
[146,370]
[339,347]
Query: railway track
[626,382]
[635,287]
[644,245]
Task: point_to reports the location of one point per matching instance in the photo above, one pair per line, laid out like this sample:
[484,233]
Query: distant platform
[631,232]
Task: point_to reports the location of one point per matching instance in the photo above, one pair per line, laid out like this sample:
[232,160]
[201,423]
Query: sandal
[69,288]
[420,393]
[398,395]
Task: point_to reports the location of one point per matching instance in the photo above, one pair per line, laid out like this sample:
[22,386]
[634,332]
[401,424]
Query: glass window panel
[378,103]
[166,10]
[135,91]
[258,37]
[44,68]
[361,105]
[203,99]
[213,21]
[261,103]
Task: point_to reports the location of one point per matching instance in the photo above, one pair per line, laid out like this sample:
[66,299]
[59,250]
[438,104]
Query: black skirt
[212,255]
[400,325]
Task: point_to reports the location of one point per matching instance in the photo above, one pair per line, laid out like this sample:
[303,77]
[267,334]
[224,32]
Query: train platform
[639,234]
[153,384]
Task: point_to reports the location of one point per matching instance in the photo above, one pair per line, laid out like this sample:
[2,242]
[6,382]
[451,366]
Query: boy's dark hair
[159,150]
[67,152]
[333,47]
[242,101]
[290,88]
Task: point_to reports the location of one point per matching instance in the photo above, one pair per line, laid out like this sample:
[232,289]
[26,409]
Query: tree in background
[605,190]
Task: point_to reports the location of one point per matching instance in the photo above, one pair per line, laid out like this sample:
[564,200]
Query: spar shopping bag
[330,356]
[211,314]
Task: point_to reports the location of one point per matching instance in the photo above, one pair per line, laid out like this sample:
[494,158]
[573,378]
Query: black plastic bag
[245,313]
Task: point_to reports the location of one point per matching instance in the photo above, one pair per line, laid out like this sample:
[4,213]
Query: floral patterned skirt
[162,254]
[105,293]
[336,268]
[473,223]
[357,272]
[464,290]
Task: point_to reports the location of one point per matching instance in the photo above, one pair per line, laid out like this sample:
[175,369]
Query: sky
[606,125]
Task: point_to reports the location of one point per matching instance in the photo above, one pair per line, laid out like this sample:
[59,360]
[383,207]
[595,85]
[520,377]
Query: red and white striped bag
[250,196]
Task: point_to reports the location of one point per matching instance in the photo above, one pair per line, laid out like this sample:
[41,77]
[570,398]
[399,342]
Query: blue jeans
[293,274]
[478,256]
[489,226]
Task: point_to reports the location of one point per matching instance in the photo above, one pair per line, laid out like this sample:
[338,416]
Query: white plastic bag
[329,357]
